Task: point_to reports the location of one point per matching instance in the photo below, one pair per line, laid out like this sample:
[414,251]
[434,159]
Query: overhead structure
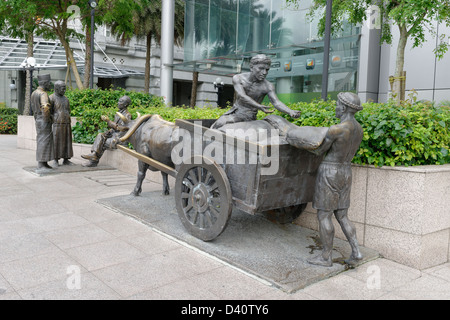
[51,55]
[48,54]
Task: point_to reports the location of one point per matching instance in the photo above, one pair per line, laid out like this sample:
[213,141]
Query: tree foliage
[52,19]
[46,18]
[141,19]
[18,17]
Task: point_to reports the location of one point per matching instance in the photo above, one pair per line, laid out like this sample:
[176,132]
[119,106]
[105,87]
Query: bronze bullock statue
[154,137]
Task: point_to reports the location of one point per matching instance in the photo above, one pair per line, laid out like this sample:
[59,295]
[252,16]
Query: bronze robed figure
[62,129]
[42,112]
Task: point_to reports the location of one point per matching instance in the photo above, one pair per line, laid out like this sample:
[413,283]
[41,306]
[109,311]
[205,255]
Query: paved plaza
[57,241]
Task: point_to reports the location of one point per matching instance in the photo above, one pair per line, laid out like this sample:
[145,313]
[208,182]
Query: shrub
[407,135]
[90,124]
[88,99]
[412,134]
[444,103]
[8,120]
[89,105]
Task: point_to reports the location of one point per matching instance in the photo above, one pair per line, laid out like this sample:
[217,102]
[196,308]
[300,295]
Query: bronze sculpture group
[53,127]
[339,143]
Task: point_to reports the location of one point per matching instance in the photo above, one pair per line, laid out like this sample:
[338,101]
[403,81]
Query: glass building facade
[222,35]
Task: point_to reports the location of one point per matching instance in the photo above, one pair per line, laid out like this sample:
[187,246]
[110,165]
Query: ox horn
[139,120]
[121,116]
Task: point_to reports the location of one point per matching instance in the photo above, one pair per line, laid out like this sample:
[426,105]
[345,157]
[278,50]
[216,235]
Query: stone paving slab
[273,252]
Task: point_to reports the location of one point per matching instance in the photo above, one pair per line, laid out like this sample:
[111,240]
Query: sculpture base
[64,169]
[274,253]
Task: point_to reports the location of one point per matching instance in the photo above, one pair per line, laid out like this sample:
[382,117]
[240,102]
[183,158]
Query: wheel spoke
[185,195]
[215,202]
[187,183]
[213,187]
[209,218]
[214,211]
[194,218]
[199,174]
[193,177]
[188,207]
[201,222]
[208,176]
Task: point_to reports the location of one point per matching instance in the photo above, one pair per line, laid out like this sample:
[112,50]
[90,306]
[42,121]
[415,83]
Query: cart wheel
[203,198]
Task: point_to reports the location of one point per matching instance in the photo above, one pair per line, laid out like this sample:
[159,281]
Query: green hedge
[89,123]
[8,120]
[407,135]
[89,105]
[82,100]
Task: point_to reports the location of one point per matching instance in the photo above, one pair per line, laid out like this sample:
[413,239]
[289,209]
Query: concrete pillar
[369,58]
[167,43]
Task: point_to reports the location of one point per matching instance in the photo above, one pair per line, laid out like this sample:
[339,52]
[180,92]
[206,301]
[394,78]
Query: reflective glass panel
[222,35]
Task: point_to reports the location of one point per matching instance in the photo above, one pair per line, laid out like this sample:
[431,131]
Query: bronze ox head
[134,124]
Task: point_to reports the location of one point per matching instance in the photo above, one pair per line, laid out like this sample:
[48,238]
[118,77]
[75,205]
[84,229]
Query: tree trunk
[147,62]
[28,88]
[73,65]
[87,58]
[398,90]
[194,89]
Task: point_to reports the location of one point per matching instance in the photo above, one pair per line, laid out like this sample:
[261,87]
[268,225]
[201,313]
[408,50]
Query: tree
[47,18]
[142,18]
[55,15]
[19,19]
[83,13]
[413,19]
[193,100]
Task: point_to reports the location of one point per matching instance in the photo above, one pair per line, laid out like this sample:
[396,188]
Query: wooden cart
[207,189]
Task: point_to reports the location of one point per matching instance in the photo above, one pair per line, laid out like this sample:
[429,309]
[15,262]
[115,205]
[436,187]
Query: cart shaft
[152,162]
